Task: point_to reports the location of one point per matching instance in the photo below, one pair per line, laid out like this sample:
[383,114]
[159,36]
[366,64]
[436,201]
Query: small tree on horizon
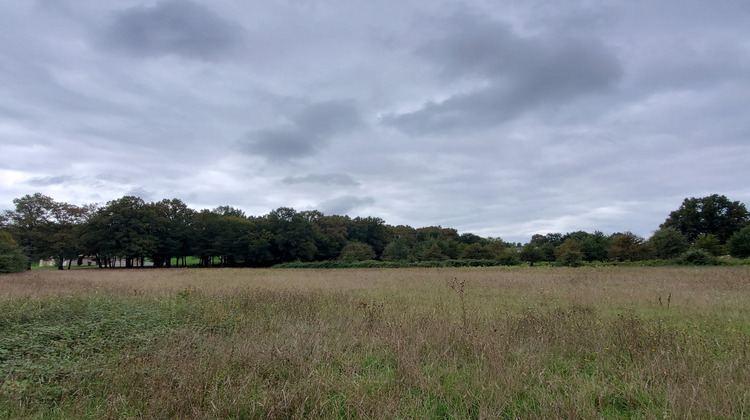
[531,253]
[569,253]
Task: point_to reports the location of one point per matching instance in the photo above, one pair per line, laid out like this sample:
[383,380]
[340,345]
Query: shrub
[739,244]
[12,259]
[357,251]
[669,243]
[709,243]
[477,252]
[629,247]
[509,258]
[697,257]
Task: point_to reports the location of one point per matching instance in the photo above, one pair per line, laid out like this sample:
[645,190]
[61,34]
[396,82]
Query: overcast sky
[500,118]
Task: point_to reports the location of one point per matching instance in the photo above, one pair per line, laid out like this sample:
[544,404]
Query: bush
[569,253]
[509,259]
[12,259]
[697,257]
[739,244]
[709,243]
[357,251]
[629,247]
[669,243]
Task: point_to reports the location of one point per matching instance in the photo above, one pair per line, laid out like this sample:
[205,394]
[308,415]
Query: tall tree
[371,231]
[45,228]
[30,224]
[294,236]
[715,214]
[175,231]
[66,231]
[594,247]
[125,228]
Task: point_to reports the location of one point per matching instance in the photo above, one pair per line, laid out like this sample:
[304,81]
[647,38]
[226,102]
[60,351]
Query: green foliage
[569,253]
[515,343]
[629,247]
[510,259]
[739,244]
[294,235]
[714,214]
[357,251]
[397,250]
[433,252]
[669,243]
[594,247]
[709,243]
[12,259]
[45,228]
[478,251]
[547,244]
[696,256]
[531,253]
[371,231]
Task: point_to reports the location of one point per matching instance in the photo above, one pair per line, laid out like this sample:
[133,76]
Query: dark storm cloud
[309,129]
[345,204]
[325,179]
[515,74]
[182,28]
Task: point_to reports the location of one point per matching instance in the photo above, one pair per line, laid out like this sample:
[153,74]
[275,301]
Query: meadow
[477,343]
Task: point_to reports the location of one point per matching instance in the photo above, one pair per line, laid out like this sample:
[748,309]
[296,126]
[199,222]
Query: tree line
[167,232]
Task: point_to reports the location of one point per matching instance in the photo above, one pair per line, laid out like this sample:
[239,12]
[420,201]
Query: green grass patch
[418,348]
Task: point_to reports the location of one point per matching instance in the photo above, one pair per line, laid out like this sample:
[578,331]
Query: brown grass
[411,343]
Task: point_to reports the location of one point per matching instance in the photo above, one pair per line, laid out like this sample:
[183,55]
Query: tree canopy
[130,232]
[711,215]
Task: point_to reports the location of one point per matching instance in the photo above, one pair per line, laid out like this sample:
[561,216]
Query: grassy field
[514,342]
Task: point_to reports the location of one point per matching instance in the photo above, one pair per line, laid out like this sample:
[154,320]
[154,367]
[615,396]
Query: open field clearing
[518,342]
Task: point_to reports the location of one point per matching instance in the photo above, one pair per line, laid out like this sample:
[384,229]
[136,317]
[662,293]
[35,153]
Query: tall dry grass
[409,343]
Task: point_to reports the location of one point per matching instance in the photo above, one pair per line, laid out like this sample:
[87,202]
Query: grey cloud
[325,179]
[183,28]
[142,193]
[310,128]
[286,142]
[50,180]
[517,74]
[343,205]
[328,118]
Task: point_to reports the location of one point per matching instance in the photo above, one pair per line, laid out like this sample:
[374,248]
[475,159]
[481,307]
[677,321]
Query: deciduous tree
[715,214]
[569,253]
[531,253]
